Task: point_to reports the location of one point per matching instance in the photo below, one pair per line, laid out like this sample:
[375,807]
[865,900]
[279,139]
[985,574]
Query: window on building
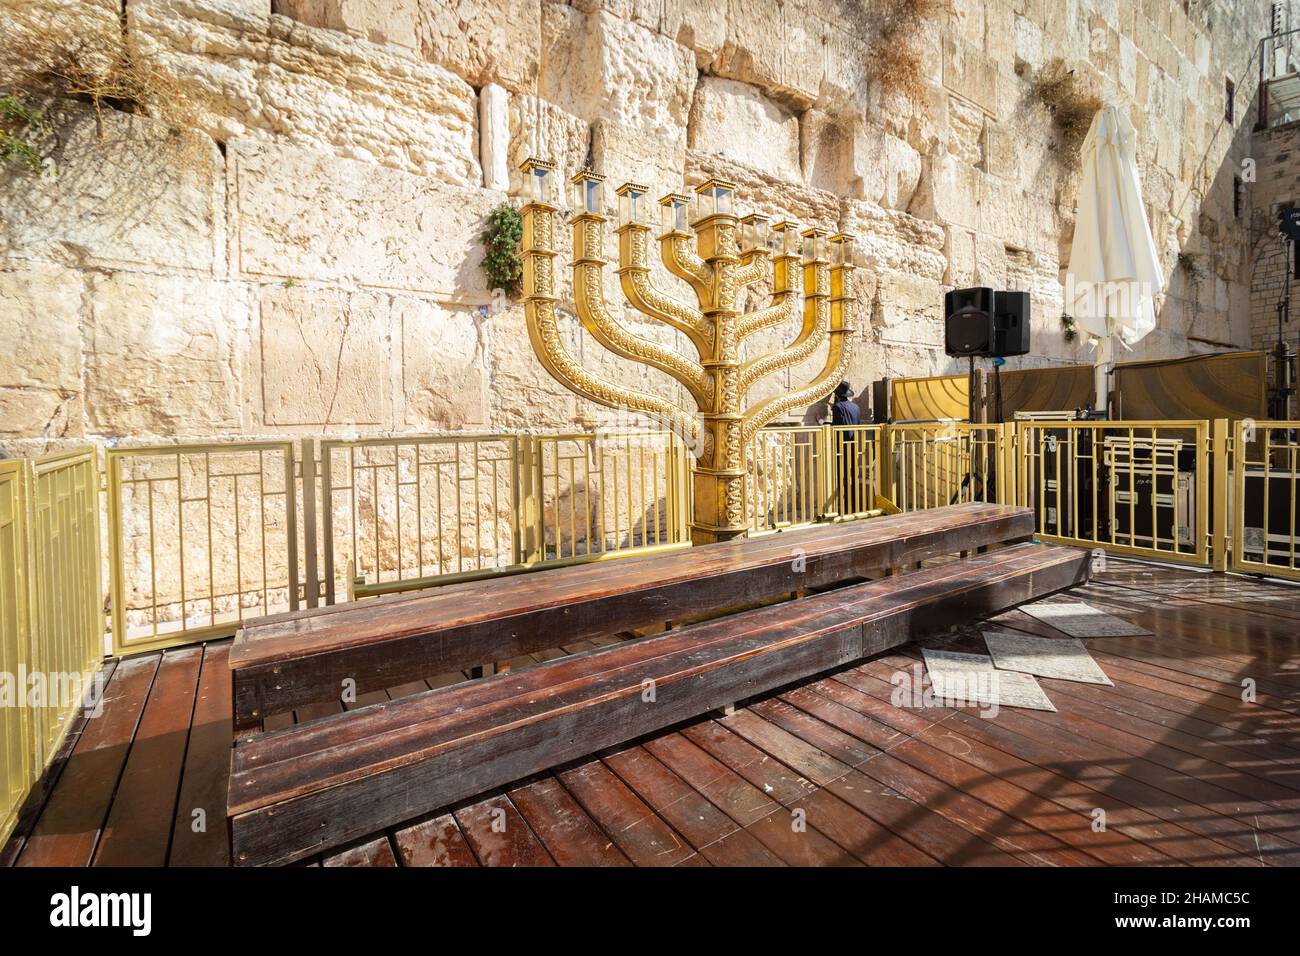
[1229,94]
[1238,196]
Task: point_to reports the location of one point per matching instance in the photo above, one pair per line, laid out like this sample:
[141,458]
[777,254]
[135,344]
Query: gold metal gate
[1265,471]
[51,621]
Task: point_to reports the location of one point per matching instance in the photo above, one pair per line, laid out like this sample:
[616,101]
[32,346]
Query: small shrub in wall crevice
[1072,106]
[502,263]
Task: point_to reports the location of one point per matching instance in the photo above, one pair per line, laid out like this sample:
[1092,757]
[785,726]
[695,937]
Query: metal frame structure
[51,620]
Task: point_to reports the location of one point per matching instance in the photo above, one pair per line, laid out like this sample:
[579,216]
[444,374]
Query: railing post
[528,514]
[885,461]
[830,496]
[1220,464]
[685,489]
[311,569]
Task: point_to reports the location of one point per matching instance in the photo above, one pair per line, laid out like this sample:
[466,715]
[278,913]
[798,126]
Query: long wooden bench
[284,662]
[299,790]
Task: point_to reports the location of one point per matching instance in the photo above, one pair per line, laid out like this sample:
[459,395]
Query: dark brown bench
[297,791]
[284,662]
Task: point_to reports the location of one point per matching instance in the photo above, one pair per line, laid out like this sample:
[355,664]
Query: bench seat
[302,789]
[284,662]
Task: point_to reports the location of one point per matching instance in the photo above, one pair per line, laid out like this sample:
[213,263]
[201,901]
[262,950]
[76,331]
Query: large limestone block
[764,193]
[887,170]
[40,365]
[736,121]
[539,128]
[380,21]
[948,191]
[803,57]
[31,413]
[163,355]
[524,397]
[624,155]
[303,215]
[968,72]
[253,76]
[125,193]
[826,153]
[40,313]
[323,357]
[891,241]
[698,25]
[494,42]
[444,375]
[600,67]
[755,43]
[494,137]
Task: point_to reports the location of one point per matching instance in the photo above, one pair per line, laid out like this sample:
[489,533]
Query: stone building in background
[304,257]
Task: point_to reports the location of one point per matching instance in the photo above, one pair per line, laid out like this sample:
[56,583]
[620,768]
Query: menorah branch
[642,295]
[589,300]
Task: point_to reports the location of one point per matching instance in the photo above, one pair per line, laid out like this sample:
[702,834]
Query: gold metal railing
[1265,473]
[201,538]
[590,496]
[929,465]
[405,512]
[51,622]
[204,536]
[17,748]
[786,477]
[1130,488]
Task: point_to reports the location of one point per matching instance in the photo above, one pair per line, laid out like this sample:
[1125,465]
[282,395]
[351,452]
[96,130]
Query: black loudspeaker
[985,324]
[968,326]
[1010,323]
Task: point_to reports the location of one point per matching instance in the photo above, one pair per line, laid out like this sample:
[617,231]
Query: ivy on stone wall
[21,129]
[501,261]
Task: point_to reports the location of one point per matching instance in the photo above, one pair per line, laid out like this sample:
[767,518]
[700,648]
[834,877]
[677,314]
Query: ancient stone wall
[305,258]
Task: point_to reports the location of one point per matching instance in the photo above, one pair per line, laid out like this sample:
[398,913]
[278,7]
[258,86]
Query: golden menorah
[718,255]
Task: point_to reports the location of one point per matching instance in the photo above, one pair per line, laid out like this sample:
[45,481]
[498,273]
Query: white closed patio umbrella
[1114,271]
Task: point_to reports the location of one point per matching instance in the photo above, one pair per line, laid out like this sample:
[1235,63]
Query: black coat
[845,413]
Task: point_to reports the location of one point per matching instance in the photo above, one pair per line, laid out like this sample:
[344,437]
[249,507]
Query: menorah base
[706,535]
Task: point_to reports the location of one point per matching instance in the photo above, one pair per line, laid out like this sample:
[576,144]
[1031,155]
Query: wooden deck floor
[1186,772]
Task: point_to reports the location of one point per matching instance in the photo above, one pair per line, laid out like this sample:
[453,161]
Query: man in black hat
[844,411]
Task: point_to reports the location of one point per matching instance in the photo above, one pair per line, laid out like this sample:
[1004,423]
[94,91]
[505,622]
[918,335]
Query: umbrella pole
[1105,351]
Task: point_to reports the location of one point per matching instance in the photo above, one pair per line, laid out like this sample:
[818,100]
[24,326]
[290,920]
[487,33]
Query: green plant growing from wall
[1068,328]
[1190,265]
[21,130]
[1072,107]
[59,51]
[502,263]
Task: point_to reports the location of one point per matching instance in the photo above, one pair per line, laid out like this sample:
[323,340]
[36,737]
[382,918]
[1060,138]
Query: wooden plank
[34,805]
[150,780]
[285,662]
[961,589]
[499,836]
[855,831]
[636,829]
[759,793]
[570,836]
[689,812]
[375,852]
[69,827]
[203,840]
[1171,796]
[287,801]
[436,841]
[1087,787]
